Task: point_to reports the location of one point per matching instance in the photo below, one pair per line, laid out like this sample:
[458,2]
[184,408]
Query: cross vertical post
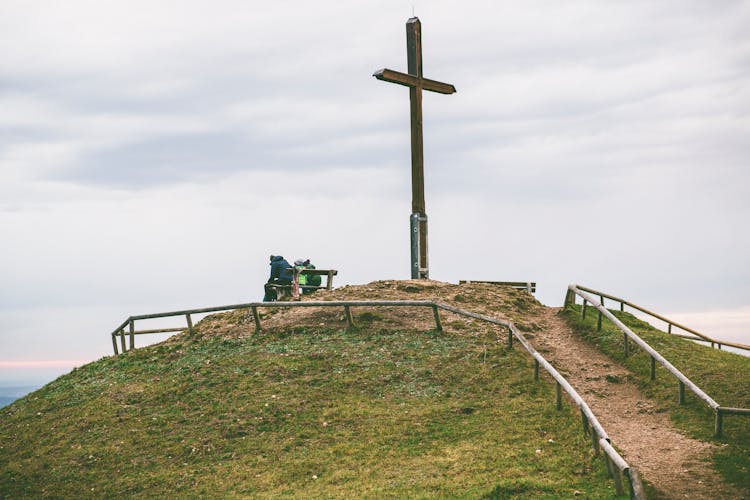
[416,82]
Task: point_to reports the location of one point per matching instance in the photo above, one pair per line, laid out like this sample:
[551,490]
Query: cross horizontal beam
[407,80]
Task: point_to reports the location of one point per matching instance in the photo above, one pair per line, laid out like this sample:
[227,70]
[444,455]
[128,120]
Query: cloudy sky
[153,154]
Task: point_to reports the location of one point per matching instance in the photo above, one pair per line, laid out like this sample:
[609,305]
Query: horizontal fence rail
[617,467]
[683,381]
[529,286]
[696,336]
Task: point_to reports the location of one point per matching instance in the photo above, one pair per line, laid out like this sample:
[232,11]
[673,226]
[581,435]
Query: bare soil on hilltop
[676,465]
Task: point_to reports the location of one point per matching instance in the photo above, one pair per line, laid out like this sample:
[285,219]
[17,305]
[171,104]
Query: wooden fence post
[122,340]
[653,368]
[348,314]
[536,369]
[599,322]
[438,324]
[585,423]
[132,334]
[257,319]
[681,397]
[626,346]
[636,486]
[718,423]
[510,338]
[595,441]
[558,392]
[583,310]
[190,324]
[114,343]
[618,479]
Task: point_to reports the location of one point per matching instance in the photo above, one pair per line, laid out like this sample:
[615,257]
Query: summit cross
[416,83]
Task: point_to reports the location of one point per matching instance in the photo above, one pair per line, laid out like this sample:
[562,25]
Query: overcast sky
[153,154]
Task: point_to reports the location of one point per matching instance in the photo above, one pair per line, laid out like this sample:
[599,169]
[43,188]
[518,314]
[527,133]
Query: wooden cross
[414,80]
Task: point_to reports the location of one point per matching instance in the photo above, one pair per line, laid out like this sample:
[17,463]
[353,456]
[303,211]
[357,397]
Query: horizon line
[52,363]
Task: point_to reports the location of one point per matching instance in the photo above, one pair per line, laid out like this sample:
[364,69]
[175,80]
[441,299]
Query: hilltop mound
[390,407]
[307,408]
[492,300]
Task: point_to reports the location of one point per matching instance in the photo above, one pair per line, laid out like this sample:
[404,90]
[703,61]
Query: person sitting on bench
[281,274]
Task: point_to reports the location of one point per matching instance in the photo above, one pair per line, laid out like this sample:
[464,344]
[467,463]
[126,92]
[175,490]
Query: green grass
[318,413]
[722,375]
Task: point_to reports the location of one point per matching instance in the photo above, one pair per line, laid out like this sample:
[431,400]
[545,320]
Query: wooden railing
[617,467]
[683,381]
[529,286]
[696,336]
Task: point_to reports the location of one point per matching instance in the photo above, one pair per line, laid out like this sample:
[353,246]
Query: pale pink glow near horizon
[55,363]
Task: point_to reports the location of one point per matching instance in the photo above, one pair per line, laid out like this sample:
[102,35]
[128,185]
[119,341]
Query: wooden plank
[158,330]
[319,272]
[521,285]
[389,75]
[734,411]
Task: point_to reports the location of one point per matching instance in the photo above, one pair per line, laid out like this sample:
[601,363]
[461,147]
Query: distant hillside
[309,408]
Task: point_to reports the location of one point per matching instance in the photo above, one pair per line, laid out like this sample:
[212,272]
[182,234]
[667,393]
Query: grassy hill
[308,408]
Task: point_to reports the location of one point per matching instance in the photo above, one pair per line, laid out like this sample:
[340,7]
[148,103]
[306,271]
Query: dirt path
[675,464]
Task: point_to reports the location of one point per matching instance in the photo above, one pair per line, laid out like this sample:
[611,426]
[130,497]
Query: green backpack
[314,279]
[302,277]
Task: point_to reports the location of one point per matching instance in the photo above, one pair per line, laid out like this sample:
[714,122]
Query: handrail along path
[684,381]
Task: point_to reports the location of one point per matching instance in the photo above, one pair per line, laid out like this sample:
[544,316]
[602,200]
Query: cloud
[153,155]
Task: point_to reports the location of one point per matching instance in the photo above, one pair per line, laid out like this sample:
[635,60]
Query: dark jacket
[280,269]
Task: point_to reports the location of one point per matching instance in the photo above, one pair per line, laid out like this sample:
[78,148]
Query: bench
[293,291]
[529,286]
